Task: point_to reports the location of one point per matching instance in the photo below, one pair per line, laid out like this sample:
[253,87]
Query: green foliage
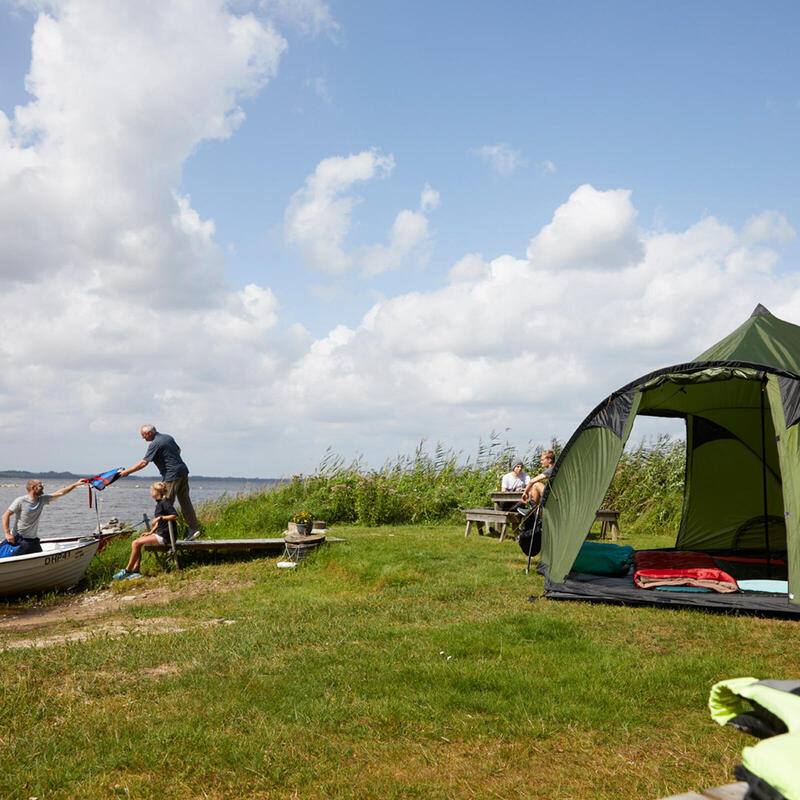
[425,487]
[435,486]
[648,485]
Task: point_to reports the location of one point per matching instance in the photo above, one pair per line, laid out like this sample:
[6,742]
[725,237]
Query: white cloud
[509,343]
[429,200]
[117,304]
[311,17]
[409,235]
[319,215]
[769,226]
[320,87]
[80,186]
[503,159]
[592,229]
[470,268]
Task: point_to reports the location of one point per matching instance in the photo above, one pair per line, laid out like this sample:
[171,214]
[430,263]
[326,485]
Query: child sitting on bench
[159,531]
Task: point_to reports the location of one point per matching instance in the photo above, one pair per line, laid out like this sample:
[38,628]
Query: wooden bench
[731,791]
[609,521]
[486,517]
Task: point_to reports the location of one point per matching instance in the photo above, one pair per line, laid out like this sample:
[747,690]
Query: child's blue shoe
[121,575]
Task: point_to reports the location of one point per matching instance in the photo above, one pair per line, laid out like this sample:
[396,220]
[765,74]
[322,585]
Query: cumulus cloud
[410,235]
[311,17]
[319,214]
[320,87]
[503,159]
[471,267]
[117,306]
[78,187]
[769,226]
[506,343]
[592,229]
[319,217]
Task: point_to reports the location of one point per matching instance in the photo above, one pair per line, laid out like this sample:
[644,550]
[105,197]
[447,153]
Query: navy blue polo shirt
[165,454]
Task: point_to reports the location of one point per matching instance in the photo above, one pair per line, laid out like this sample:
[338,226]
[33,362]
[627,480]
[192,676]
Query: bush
[436,486]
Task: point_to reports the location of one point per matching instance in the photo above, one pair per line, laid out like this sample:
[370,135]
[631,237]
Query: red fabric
[680,568]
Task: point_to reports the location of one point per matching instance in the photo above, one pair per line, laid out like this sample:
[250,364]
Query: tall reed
[431,485]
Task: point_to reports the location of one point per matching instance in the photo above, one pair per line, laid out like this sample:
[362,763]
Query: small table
[500,499]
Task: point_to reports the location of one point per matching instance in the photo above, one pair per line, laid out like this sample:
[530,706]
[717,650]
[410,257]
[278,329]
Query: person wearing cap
[515,480]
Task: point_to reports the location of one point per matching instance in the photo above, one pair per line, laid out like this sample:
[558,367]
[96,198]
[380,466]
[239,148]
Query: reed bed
[434,486]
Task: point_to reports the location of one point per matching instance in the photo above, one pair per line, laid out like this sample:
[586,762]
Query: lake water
[127,499]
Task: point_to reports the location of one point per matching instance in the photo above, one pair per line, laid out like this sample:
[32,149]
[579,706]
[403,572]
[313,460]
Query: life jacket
[100,482]
[769,710]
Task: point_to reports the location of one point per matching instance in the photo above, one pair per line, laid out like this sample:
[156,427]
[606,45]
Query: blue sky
[451,218]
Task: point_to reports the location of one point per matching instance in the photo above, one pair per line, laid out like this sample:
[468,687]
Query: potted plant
[303,521]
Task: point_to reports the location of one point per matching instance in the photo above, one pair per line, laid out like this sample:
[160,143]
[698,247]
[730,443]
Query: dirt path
[94,614]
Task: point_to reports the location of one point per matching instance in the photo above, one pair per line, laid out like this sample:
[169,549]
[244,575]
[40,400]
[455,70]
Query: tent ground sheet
[754,570]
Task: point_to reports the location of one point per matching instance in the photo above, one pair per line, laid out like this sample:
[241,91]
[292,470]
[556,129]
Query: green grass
[408,662]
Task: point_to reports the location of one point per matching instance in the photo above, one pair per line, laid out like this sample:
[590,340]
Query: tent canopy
[740,400]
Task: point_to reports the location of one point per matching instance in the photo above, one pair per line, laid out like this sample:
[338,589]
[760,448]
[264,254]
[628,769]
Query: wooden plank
[489,515]
[275,545]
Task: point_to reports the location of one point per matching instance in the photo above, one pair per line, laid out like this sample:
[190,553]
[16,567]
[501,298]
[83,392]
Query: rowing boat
[60,565]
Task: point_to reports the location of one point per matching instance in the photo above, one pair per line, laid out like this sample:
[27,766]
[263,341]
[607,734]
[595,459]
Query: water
[128,499]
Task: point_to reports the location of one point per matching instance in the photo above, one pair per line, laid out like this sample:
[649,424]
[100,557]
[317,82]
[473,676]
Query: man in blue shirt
[163,451]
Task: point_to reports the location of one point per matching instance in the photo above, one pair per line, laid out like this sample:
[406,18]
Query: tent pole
[764,476]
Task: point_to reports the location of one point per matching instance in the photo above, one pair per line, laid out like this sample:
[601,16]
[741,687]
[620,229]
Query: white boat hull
[58,566]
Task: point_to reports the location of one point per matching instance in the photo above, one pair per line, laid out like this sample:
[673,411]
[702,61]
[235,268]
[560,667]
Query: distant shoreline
[24,474]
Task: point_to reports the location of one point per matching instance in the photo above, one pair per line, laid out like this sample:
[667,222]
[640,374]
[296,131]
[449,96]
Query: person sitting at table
[535,487]
[515,480]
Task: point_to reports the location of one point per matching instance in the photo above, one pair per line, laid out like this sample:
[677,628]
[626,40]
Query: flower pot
[304,528]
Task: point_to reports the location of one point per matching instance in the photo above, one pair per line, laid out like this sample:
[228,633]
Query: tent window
[790,398]
[614,414]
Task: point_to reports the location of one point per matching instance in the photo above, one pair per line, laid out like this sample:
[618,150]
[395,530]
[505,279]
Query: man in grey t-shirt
[26,511]
[535,488]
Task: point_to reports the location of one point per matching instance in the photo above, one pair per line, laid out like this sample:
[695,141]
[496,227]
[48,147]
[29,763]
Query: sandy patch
[114,630]
[93,614]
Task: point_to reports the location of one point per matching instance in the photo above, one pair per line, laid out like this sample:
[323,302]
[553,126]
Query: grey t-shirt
[27,513]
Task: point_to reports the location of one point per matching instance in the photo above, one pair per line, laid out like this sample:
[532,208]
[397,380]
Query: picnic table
[499,515]
[503,513]
[502,499]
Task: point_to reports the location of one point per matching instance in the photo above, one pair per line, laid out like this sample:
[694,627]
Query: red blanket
[680,568]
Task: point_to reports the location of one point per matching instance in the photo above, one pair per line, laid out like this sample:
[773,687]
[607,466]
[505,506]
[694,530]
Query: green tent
[740,400]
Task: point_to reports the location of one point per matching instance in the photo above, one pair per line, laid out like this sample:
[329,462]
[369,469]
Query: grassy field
[407,663]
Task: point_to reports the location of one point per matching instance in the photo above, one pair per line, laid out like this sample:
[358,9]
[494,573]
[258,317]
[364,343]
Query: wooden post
[172,538]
